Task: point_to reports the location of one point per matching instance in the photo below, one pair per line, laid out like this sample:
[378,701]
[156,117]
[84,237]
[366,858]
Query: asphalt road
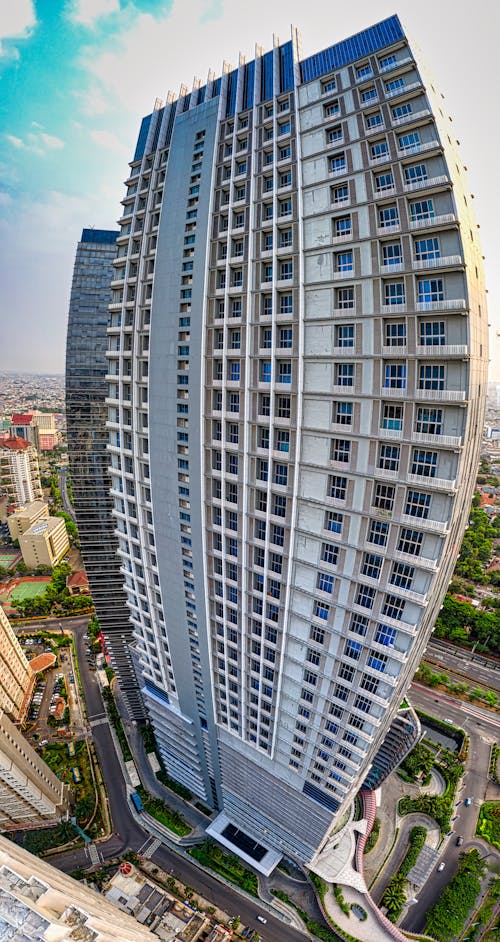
[67,505]
[463,664]
[129,835]
[483,727]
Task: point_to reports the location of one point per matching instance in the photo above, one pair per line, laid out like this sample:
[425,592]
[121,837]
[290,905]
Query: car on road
[459,841]
[261,918]
[468,802]
[441,867]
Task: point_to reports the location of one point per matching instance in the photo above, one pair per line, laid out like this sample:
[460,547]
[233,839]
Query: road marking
[153,847]
[94,854]
[99,722]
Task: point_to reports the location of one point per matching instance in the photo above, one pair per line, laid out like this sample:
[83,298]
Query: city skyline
[68,124]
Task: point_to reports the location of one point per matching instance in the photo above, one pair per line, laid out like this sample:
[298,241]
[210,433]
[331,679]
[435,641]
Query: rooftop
[14,443]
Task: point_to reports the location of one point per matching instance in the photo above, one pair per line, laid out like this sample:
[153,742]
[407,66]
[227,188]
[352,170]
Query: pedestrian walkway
[95,857]
[153,847]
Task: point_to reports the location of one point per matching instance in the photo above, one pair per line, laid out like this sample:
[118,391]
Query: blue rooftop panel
[108,236]
[369,40]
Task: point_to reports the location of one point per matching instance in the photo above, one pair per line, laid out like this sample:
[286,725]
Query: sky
[76,77]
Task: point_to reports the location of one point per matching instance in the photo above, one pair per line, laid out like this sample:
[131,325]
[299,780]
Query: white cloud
[109,141]
[5,198]
[17,20]
[37,142]
[92,101]
[87,12]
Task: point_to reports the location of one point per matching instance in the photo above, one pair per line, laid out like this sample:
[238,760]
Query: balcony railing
[437,526]
[403,89]
[425,438]
[445,304]
[396,65]
[442,220]
[438,484]
[441,262]
[419,148]
[412,116]
[445,350]
[422,184]
[440,395]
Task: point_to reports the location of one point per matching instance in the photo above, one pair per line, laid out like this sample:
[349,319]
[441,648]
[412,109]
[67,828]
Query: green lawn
[488,825]
[6,559]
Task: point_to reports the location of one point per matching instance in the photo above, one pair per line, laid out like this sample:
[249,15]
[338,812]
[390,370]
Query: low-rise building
[24,517]
[45,543]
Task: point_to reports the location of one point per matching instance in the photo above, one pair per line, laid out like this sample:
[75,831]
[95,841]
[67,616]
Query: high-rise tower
[86,391]
[30,793]
[19,471]
[297,367]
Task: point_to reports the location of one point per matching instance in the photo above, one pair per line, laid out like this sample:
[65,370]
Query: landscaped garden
[58,758]
[449,915]
[163,813]
[488,824]
[212,856]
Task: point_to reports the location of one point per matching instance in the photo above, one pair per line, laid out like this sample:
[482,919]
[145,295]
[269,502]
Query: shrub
[488,825]
[448,916]
[373,836]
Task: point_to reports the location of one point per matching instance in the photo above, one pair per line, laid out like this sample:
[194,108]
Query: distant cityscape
[250,541]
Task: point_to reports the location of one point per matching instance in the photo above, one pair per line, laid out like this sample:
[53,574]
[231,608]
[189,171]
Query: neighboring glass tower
[86,410]
[297,368]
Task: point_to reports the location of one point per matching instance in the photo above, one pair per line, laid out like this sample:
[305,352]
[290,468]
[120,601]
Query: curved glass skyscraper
[297,368]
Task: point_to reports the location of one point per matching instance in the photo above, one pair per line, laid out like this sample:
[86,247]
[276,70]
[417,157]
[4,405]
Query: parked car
[261,918]
[441,867]
[459,841]
[468,802]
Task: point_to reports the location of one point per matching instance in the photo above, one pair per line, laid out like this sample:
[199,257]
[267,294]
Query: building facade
[30,793]
[297,375]
[24,517]
[86,391]
[19,471]
[45,543]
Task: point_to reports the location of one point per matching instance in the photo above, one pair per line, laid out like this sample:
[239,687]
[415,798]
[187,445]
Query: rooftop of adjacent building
[14,443]
[32,509]
[77,579]
[44,526]
[103,236]
[22,418]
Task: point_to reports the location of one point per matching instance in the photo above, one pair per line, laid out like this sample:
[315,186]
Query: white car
[261,919]
[441,867]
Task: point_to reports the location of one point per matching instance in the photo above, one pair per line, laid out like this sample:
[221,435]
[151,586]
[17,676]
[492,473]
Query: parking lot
[55,711]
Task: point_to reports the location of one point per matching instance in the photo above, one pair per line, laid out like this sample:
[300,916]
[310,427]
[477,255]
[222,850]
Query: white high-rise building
[297,374]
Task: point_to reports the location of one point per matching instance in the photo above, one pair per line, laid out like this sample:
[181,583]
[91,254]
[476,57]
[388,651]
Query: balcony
[445,219]
[413,560]
[440,395]
[394,308]
[445,350]
[419,148]
[342,237]
[391,433]
[395,351]
[389,227]
[396,65]
[391,392]
[448,304]
[339,275]
[436,526]
[391,268]
[425,438]
[427,182]
[437,484]
[445,261]
[409,118]
[403,90]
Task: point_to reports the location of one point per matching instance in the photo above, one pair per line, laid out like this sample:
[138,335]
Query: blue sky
[77,76]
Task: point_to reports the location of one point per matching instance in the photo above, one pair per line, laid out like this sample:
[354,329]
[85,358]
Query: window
[387,61]
[285,341]
[421,209]
[266,337]
[384,181]
[267,241]
[392,416]
[393,607]
[431,376]
[401,111]
[234,402]
[395,375]
[432,333]
[416,173]
[281,474]
[341,692]
[365,596]
[395,333]
[372,565]
[388,216]
[265,371]
[353,650]
[424,463]
[369,94]
[344,299]
[394,85]
[402,575]
[334,134]
[279,505]
[409,142]
[385,636]
[325,582]
[284,207]
[236,307]
[328,86]
[426,249]
[232,464]
[383,497]
[392,253]
[277,535]
[358,624]
[342,413]
[285,179]
[284,153]
[233,370]
[286,303]
[344,374]
[371,684]
[283,407]
[285,238]
[340,194]
[343,261]
[329,553]
[331,109]
[430,290]
[410,541]
[341,450]
[342,226]
[284,371]
[388,458]
[334,521]
[429,421]
[417,504]
[337,163]
[262,469]
[286,270]
[374,120]
[232,433]
[267,273]
[379,150]
[346,672]
[310,678]
[261,501]
[282,440]
[394,293]
[378,533]
[362,703]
